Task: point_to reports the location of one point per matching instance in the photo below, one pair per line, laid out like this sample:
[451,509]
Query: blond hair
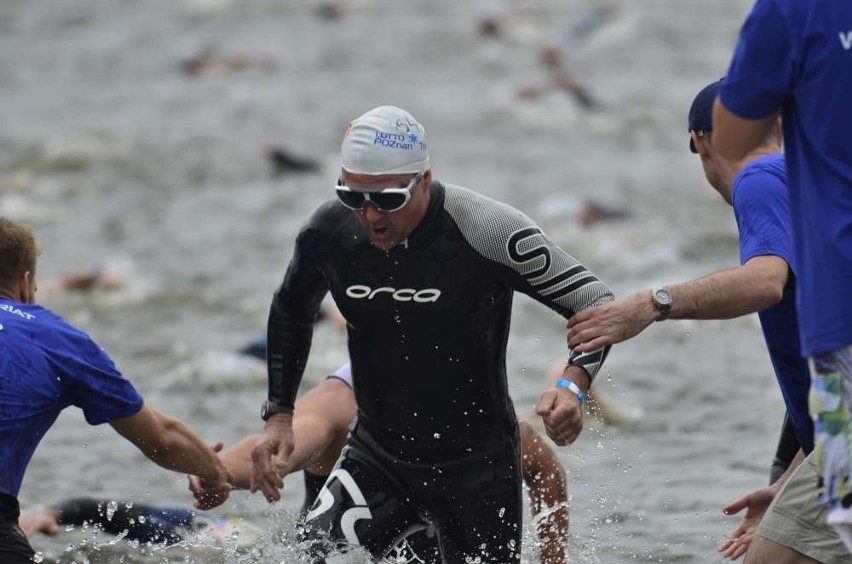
[18,251]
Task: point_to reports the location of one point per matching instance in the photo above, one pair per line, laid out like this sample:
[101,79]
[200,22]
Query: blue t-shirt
[796,56]
[760,199]
[45,366]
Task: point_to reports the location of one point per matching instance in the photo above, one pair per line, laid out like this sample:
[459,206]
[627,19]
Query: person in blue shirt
[756,188]
[47,365]
[794,58]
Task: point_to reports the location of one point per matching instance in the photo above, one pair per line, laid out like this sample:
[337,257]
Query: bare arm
[171,444]
[320,425]
[735,137]
[754,286]
[545,477]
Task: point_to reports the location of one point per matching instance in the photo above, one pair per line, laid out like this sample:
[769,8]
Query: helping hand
[756,504]
[607,324]
[209,495]
[270,456]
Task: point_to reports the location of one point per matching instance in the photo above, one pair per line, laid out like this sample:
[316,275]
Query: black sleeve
[788,446]
[139,522]
[294,310]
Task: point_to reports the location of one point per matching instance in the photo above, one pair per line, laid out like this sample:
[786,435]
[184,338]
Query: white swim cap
[385,140]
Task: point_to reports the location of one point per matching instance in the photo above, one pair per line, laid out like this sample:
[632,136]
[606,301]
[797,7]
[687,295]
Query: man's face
[704,148]
[388,229]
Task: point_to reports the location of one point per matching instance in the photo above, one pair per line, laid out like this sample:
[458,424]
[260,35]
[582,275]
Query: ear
[427,177]
[25,288]
[700,142]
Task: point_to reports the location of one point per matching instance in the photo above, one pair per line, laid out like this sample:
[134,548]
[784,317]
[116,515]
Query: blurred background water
[124,160]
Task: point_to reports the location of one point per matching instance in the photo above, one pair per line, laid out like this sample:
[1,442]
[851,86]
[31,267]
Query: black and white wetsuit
[428,322]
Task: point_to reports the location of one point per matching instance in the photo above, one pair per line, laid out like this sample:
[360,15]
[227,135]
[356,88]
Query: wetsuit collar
[429,224]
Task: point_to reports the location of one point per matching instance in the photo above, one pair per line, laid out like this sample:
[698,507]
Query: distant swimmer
[561,78]
[94,278]
[283,161]
[207,61]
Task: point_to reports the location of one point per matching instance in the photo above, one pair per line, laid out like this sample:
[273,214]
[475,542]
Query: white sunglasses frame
[405,191]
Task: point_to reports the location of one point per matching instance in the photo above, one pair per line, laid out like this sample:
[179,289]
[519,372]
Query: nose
[370,213]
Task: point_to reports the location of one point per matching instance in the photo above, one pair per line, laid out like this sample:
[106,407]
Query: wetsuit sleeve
[294,310]
[534,264]
[137,522]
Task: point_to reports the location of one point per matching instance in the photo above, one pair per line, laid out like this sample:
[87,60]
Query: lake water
[120,159]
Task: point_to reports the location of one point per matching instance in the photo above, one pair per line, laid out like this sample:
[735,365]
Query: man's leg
[359,505]
[480,513]
[765,551]
[794,528]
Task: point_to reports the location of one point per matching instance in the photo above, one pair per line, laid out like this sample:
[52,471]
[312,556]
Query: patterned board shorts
[830,405]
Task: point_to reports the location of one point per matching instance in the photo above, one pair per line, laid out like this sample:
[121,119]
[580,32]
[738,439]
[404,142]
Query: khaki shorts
[797,520]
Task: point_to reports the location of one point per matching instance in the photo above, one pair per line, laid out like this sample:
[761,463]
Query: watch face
[663,297]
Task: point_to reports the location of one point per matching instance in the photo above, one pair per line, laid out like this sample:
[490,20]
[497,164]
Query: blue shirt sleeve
[761,73]
[93,384]
[763,216]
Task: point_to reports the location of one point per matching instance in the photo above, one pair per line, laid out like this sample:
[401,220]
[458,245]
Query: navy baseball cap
[701,111]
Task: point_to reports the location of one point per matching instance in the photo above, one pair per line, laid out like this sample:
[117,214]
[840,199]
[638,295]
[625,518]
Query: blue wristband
[569,385]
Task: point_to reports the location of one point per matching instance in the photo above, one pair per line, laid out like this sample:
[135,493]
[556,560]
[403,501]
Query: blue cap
[701,111]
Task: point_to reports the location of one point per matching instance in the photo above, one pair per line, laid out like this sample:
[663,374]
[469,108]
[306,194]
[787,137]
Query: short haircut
[18,251]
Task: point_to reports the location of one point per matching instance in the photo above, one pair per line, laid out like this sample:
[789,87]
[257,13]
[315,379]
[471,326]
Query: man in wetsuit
[424,274]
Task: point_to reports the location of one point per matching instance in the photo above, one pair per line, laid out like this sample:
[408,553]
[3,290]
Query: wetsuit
[436,437]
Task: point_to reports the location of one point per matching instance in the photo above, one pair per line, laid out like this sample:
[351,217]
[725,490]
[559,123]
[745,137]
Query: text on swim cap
[398,141]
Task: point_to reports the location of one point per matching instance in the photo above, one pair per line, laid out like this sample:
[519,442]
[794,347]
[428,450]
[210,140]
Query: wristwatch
[662,300]
[270,408]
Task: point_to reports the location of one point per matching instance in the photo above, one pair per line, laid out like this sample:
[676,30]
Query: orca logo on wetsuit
[325,499]
[426,295]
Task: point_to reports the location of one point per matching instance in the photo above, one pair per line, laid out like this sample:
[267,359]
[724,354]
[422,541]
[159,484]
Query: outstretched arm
[754,286]
[545,477]
[320,426]
[171,444]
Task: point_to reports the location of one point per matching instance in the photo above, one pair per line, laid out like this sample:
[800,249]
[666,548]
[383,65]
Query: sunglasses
[386,200]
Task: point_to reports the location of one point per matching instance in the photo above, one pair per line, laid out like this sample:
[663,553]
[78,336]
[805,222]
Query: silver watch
[662,300]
